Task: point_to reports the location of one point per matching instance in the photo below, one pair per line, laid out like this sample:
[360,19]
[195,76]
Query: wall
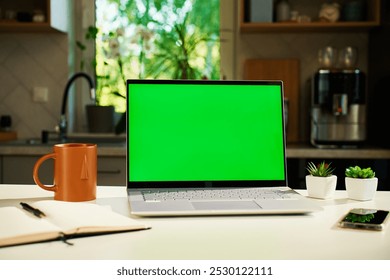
[379,75]
[29,60]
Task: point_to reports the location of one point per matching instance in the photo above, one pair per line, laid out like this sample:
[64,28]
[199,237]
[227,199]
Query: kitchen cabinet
[17,162]
[1,169]
[373,20]
[54,12]
[17,169]
[379,76]
[297,170]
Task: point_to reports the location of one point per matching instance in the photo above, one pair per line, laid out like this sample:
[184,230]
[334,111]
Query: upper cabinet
[33,16]
[304,16]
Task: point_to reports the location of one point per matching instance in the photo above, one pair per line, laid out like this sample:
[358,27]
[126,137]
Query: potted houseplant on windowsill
[320,183]
[360,183]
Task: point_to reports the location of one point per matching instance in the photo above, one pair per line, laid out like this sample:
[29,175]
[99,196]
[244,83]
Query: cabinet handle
[117,171]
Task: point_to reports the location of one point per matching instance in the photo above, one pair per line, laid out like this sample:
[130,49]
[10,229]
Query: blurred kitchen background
[259,39]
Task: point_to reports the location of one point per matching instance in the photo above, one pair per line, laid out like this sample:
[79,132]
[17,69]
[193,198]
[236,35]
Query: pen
[32,210]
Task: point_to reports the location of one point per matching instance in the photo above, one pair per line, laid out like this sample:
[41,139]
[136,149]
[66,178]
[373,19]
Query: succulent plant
[357,172]
[320,170]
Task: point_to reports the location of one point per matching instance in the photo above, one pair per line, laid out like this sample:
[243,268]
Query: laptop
[206,147]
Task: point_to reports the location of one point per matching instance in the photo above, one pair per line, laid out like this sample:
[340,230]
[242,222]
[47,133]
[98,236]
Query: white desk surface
[302,237]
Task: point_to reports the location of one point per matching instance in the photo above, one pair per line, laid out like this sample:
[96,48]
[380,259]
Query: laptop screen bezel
[213,183]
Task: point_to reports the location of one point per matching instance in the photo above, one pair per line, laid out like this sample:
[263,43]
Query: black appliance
[338,113]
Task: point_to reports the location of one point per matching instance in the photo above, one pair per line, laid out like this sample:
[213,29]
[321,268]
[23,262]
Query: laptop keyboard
[220,194]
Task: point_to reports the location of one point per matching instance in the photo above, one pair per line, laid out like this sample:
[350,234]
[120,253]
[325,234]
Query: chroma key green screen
[205,131]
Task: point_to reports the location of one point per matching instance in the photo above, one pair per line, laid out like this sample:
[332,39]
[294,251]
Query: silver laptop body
[208,148]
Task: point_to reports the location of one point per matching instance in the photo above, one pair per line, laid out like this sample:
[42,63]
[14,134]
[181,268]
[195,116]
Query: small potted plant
[360,183]
[320,183]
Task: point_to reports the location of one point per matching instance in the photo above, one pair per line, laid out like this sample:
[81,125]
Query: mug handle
[52,188]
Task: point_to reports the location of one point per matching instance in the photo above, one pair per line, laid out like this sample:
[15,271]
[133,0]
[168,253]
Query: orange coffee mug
[75,171]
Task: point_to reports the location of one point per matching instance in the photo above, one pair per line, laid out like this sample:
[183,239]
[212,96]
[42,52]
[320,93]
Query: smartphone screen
[360,218]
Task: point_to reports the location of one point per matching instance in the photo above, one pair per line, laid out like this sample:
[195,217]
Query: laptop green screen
[205,131]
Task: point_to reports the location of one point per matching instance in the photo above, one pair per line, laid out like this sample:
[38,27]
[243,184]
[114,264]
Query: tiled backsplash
[29,60]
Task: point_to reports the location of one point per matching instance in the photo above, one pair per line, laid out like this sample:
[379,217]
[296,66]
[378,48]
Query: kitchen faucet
[63,121]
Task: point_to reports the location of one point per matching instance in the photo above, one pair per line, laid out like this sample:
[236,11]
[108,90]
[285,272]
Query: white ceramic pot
[361,189]
[321,187]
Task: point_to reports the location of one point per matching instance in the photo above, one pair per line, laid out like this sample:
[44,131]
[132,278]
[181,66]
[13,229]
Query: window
[160,39]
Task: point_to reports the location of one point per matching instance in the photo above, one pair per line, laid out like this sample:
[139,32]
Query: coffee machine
[338,112]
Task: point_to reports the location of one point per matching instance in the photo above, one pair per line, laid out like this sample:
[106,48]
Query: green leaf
[321,170]
[357,172]
[80,45]
[91,33]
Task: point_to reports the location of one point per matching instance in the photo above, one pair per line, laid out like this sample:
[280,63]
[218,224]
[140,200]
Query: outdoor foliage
[160,39]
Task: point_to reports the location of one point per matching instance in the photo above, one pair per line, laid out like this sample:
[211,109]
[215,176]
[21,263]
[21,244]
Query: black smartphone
[360,218]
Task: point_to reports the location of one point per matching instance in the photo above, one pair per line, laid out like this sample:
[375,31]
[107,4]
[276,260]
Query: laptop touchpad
[224,205]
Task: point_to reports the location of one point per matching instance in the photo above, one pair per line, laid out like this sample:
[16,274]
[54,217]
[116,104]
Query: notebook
[206,147]
[61,221]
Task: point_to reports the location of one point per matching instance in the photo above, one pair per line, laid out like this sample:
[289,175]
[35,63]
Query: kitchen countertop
[308,151]
[110,149]
[293,151]
[108,145]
